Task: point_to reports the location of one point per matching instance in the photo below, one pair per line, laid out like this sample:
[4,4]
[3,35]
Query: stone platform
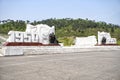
[37,50]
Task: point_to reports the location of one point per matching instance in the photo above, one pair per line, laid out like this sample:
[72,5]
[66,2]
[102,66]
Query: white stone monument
[86,41]
[35,36]
[39,34]
[105,38]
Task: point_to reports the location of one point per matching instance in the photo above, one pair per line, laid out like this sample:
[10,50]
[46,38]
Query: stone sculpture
[85,41]
[105,38]
[41,33]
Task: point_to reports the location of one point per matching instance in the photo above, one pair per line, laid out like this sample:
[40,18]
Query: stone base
[27,44]
[107,45]
[7,51]
[36,50]
[18,48]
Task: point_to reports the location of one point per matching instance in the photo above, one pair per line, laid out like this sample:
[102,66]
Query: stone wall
[86,41]
[35,50]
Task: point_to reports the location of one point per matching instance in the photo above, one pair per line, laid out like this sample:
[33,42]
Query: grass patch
[67,41]
[118,42]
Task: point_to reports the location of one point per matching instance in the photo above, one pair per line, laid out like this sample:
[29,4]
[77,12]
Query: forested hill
[65,27]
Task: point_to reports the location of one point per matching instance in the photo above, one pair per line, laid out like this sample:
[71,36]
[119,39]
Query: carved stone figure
[52,39]
[103,40]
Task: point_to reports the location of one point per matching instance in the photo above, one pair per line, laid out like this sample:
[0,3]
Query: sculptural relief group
[34,34]
[45,34]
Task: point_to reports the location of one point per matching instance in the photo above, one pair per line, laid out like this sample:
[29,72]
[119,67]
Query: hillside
[66,29]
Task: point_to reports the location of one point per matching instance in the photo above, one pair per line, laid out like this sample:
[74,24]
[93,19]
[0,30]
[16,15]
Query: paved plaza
[100,65]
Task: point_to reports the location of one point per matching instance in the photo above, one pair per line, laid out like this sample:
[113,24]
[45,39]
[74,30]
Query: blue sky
[98,10]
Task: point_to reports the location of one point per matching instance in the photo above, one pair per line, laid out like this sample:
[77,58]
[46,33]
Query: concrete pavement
[100,65]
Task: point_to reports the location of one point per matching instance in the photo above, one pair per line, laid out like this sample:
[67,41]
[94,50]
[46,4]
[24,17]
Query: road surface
[100,65]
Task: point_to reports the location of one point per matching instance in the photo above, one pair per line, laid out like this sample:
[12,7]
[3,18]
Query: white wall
[85,41]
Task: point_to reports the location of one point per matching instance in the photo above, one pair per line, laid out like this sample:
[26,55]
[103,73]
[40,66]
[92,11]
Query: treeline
[79,27]
[66,27]
[7,25]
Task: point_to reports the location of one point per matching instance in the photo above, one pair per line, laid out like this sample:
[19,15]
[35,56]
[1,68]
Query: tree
[112,29]
[28,21]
